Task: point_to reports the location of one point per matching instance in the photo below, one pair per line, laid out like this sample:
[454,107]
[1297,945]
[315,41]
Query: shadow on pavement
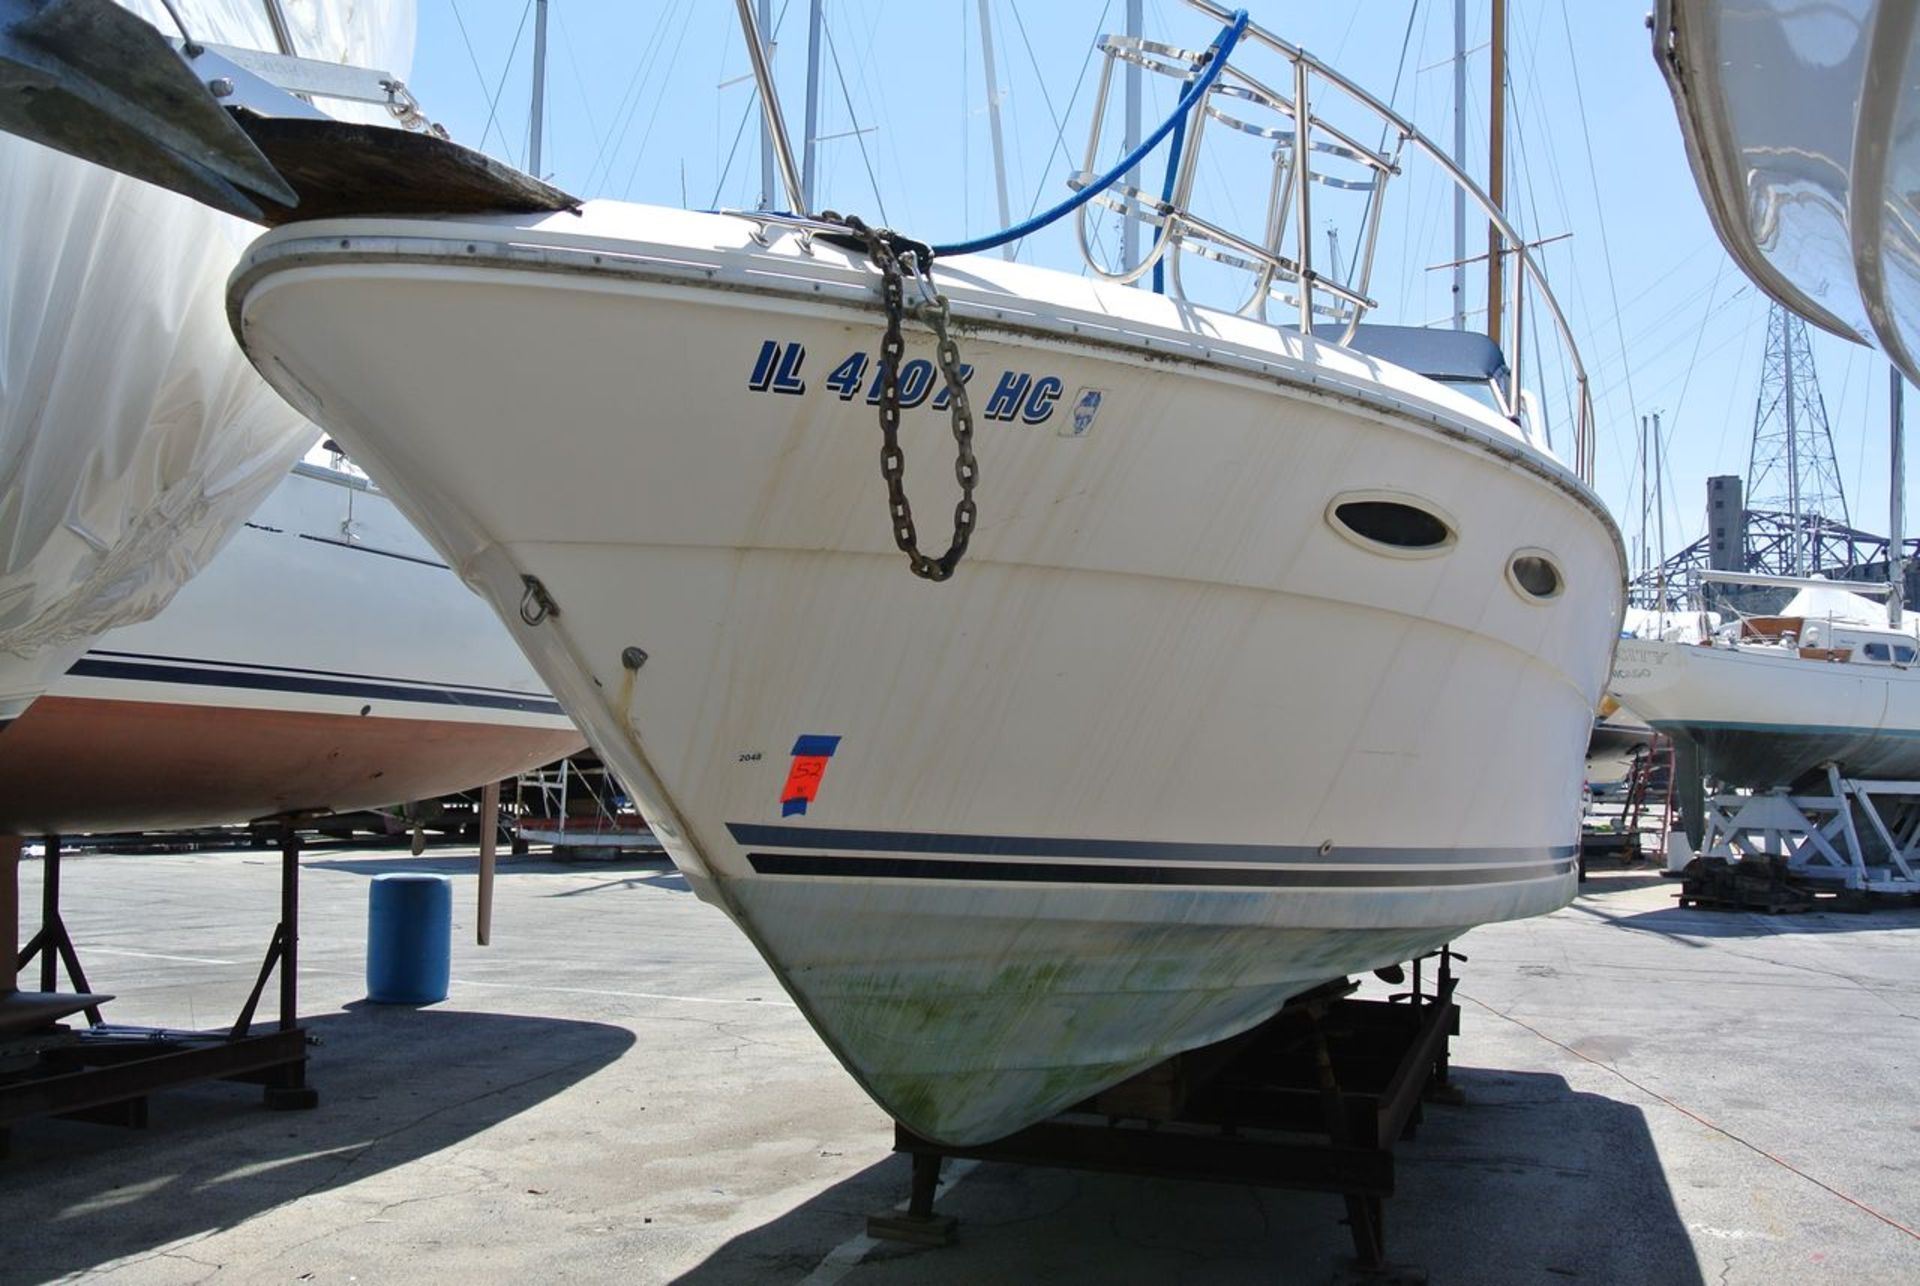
[1601,883]
[1528,1182]
[1702,922]
[395,1084]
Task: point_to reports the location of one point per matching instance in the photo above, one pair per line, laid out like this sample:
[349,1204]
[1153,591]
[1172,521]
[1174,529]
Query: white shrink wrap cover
[134,436]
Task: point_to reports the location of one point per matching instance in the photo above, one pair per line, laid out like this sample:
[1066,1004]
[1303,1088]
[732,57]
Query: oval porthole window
[1535,575]
[1389,524]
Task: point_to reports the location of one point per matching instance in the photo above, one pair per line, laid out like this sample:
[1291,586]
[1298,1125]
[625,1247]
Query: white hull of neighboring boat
[1800,123]
[1167,750]
[1764,717]
[134,438]
[325,660]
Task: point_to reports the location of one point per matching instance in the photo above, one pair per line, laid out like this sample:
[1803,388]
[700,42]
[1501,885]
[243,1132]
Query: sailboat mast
[1645,562]
[1460,161]
[766,135]
[1497,171]
[814,16]
[537,125]
[774,121]
[993,120]
[1130,228]
[1659,505]
[1897,497]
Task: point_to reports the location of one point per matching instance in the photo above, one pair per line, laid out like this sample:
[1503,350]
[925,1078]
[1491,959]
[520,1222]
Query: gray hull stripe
[818,839]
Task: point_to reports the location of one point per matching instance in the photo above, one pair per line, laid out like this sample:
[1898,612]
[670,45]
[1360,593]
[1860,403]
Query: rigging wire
[629,102]
[493,106]
[1059,143]
[1593,177]
[1526,62]
[579,80]
[1680,405]
[746,113]
[646,135]
[872,92]
[473,57]
[966,135]
[853,118]
[1393,98]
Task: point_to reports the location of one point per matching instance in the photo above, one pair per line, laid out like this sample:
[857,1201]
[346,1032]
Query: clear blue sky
[646,99]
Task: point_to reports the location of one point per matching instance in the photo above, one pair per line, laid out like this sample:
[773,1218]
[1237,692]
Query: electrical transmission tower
[1791,467]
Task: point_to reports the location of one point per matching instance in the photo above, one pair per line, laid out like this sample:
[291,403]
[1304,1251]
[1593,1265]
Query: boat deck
[616,1089]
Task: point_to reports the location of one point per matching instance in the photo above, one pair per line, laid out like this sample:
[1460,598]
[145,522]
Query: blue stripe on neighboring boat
[750,835]
[934,868]
[167,659]
[282,679]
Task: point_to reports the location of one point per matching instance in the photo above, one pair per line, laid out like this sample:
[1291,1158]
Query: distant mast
[1460,160]
[807,141]
[766,135]
[537,124]
[1497,170]
[1896,497]
[993,119]
[1130,228]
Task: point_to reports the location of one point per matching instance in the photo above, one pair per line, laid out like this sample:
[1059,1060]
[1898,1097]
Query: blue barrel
[409,938]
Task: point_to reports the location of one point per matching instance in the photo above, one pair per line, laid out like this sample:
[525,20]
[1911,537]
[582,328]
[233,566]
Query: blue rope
[1166,194]
[1220,49]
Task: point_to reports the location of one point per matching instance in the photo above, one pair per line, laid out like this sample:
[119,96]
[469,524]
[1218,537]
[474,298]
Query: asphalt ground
[617,1090]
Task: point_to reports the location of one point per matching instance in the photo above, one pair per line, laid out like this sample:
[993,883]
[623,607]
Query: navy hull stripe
[212,663]
[92,667]
[923,868]
[749,835]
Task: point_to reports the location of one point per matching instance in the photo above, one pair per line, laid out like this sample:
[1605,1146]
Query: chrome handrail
[1290,200]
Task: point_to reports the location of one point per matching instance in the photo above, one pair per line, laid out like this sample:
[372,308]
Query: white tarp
[1838,604]
[1674,627]
[134,436]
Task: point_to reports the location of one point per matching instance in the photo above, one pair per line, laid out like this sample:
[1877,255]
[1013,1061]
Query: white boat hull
[325,661]
[1167,750]
[1765,718]
[1800,126]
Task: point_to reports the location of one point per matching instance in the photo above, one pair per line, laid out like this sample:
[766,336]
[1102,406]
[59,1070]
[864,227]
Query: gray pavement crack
[1698,1119]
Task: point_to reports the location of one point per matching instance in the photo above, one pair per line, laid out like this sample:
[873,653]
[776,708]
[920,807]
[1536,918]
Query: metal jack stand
[105,1072]
[1861,838]
[52,943]
[1314,1100]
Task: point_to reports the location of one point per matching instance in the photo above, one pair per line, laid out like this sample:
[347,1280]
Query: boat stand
[1861,837]
[1312,1100]
[104,1071]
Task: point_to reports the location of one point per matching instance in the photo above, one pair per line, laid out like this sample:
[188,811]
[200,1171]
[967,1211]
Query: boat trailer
[1860,839]
[1312,1100]
[104,1072]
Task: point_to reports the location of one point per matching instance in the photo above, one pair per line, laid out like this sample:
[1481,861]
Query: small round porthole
[1534,573]
[1388,523]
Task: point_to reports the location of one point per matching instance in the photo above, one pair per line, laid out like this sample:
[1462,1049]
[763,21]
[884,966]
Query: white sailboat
[324,661]
[1182,734]
[1772,700]
[1798,124]
[134,438]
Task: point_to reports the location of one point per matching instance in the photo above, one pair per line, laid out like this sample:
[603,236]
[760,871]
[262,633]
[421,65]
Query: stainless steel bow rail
[1279,259]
